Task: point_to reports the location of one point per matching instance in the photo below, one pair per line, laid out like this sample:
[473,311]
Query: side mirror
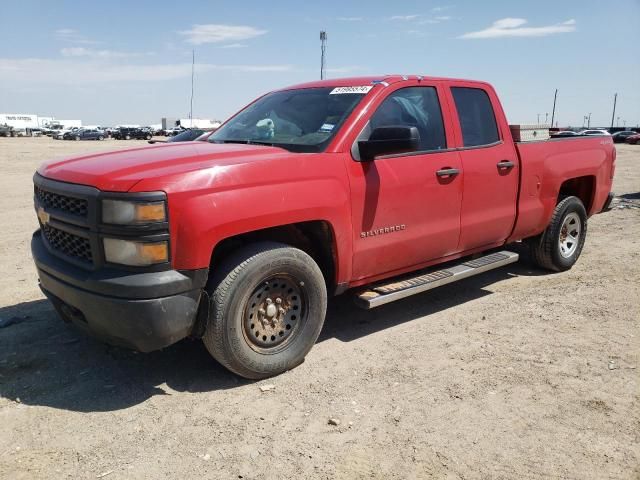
[389,140]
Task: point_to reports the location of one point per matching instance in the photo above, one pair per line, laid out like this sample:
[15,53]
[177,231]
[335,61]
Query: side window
[414,107]
[477,120]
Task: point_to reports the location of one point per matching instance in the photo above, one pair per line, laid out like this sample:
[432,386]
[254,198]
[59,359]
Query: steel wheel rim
[570,234]
[274,313]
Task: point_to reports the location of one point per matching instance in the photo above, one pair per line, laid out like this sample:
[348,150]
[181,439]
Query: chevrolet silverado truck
[385,187]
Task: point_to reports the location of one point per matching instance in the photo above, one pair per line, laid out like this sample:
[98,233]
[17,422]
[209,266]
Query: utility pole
[538,120]
[553,112]
[615,98]
[618,122]
[193,63]
[546,118]
[323,48]
[589,120]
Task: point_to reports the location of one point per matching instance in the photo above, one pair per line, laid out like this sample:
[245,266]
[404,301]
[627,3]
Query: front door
[406,207]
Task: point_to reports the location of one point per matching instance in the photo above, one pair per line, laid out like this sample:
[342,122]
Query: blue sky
[129,62]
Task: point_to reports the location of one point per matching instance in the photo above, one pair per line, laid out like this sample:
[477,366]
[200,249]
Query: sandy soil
[514,374]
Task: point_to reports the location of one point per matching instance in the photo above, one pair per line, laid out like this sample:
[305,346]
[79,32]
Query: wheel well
[315,238]
[581,187]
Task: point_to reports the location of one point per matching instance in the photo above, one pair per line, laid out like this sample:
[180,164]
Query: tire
[100,137]
[127,137]
[148,137]
[560,245]
[77,139]
[257,337]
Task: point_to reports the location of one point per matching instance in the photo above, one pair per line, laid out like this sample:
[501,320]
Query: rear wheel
[100,137]
[147,137]
[560,245]
[127,137]
[268,303]
[77,138]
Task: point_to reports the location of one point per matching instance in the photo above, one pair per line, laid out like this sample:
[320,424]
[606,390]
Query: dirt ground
[515,374]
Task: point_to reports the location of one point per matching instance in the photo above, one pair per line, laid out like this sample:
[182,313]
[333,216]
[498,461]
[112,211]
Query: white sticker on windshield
[357,89]
[327,127]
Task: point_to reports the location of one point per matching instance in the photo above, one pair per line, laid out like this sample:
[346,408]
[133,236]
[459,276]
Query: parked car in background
[6,131]
[188,135]
[620,137]
[170,132]
[59,135]
[564,133]
[132,133]
[595,132]
[85,134]
[633,139]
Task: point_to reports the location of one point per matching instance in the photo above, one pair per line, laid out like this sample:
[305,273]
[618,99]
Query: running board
[381,293]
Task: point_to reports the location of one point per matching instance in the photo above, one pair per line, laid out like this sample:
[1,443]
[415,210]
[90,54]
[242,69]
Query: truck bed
[546,165]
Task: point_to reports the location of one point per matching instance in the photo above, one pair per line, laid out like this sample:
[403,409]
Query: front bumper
[144,311]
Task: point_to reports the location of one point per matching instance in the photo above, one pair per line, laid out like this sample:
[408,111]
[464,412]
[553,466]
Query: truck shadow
[46,362]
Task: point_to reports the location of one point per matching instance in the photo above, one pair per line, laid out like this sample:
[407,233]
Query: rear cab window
[476,116]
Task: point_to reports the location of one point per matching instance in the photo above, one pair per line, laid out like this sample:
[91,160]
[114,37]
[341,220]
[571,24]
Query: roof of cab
[371,80]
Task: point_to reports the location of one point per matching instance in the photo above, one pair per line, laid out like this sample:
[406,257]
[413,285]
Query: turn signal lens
[150,212]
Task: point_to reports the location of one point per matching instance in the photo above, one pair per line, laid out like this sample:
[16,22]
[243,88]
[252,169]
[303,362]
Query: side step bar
[381,293]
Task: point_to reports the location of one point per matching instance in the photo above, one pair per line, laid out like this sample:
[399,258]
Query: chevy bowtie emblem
[43,216]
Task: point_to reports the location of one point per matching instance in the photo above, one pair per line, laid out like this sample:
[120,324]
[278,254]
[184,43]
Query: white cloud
[443,18]
[77,73]
[73,36]
[235,45]
[88,52]
[211,33]
[405,18]
[513,27]
[350,19]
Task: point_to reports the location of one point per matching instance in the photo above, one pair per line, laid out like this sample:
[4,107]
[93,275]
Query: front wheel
[560,245]
[77,139]
[268,303]
[100,137]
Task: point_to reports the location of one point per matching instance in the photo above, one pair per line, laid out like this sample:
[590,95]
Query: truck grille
[64,203]
[68,243]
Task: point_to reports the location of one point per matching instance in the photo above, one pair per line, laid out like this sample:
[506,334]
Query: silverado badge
[381,231]
[43,216]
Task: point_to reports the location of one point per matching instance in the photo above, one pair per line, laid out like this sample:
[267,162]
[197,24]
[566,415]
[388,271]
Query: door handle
[504,164]
[447,172]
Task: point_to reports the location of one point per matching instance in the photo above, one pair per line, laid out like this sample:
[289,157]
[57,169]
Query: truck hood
[120,170]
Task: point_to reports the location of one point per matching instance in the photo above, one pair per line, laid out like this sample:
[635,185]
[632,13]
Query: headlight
[137,254]
[121,212]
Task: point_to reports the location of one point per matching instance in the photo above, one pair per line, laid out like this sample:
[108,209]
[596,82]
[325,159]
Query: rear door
[490,165]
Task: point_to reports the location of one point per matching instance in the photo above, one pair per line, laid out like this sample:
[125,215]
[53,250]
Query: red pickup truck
[385,186]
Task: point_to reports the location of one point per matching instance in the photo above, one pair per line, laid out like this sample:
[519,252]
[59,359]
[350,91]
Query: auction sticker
[356,89]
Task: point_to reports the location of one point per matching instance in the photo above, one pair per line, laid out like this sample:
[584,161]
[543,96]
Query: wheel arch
[314,237]
[583,188]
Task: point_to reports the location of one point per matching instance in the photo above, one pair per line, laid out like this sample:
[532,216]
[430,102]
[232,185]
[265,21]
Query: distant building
[198,123]
[23,121]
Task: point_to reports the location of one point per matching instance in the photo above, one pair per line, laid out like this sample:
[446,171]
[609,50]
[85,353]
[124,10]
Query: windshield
[303,120]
